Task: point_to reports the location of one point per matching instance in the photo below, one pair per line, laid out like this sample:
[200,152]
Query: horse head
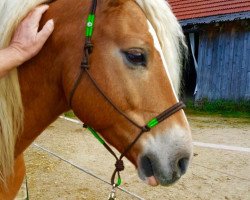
[129,65]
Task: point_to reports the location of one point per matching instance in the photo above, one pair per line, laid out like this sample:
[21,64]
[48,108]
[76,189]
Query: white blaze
[158,48]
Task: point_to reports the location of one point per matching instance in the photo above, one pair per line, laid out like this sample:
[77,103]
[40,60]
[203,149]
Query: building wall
[224,62]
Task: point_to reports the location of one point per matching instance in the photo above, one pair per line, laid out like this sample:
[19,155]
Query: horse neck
[43,98]
[41,83]
[41,79]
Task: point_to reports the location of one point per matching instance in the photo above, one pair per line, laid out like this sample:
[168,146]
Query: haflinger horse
[136,61]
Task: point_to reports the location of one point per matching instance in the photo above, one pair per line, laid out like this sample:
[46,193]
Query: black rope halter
[88,48]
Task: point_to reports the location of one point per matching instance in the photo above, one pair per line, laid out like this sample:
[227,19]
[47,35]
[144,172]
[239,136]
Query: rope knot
[89,47]
[119,165]
[146,128]
[85,64]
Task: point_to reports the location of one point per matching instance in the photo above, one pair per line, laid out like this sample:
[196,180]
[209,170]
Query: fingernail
[51,21]
[45,6]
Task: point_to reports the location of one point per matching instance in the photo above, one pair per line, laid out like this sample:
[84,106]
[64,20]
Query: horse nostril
[182,165]
[146,166]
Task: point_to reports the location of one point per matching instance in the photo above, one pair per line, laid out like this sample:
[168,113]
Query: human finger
[46,31]
[35,16]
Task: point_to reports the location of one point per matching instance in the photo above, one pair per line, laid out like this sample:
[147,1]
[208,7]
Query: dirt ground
[214,174]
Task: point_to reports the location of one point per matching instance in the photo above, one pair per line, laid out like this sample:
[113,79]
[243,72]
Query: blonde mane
[11,109]
[170,35]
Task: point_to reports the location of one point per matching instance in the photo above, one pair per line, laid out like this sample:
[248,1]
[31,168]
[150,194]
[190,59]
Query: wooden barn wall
[224,62]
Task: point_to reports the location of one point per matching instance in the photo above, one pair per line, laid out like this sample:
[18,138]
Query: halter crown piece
[119,166]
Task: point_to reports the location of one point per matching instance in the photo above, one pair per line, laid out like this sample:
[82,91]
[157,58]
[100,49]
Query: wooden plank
[201,63]
[231,75]
[247,93]
[215,76]
[204,66]
[237,66]
[212,66]
[221,64]
[200,59]
[245,57]
[225,63]
[208,66]
[241,80]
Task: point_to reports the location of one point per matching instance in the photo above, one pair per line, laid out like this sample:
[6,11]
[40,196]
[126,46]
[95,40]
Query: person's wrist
[16,55]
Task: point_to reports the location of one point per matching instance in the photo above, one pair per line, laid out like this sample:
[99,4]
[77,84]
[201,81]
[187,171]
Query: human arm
[8,60]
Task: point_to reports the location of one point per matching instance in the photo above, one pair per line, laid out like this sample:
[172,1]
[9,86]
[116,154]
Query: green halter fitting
[90,25]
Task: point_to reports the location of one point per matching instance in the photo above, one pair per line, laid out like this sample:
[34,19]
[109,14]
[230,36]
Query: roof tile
[188,9]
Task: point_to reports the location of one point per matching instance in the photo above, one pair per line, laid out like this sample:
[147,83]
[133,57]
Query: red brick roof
[188,9]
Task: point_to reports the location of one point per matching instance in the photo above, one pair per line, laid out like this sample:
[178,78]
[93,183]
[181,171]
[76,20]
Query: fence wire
[85,170]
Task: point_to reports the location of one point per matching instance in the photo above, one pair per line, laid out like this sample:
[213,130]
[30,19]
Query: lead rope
[119,165]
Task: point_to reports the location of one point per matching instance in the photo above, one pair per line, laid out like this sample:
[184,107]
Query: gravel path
[214,175]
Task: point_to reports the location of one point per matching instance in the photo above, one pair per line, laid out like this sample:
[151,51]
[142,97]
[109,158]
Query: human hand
[27,41]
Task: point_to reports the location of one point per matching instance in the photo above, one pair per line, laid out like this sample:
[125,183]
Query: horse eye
[136,57]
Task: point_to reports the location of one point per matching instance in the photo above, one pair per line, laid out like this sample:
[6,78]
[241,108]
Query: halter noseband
[88,48]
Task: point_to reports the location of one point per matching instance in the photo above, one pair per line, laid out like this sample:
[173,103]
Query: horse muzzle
[165,158]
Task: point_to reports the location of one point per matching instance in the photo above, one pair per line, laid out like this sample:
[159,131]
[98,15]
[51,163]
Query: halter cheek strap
[88,48]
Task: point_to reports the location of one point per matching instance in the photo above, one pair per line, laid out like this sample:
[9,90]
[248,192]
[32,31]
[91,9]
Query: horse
[136,60]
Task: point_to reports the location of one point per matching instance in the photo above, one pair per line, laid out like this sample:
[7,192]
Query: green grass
[69,114]
[223,108]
